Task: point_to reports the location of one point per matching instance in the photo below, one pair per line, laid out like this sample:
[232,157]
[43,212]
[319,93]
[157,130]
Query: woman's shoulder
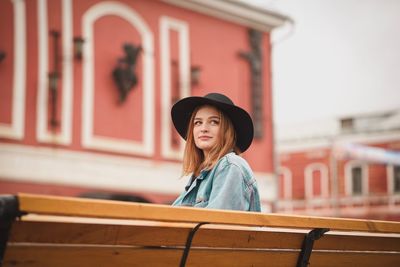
[234,159]
[235,164]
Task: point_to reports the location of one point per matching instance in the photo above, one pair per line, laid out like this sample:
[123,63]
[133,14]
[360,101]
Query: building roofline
[327,142]
[237,12]
[364,123]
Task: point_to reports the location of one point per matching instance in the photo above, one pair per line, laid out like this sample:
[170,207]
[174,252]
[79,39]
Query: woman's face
[206,126]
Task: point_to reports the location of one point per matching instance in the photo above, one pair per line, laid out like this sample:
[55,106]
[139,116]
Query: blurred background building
[87,86]
[349,167]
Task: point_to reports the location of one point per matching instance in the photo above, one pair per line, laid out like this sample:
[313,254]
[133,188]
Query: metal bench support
[308,244]
[189,244]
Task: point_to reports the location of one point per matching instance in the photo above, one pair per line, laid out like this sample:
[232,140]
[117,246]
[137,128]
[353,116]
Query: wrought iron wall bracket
[308,244]
[124,73]
[54,77]
[2,55]
[255,59]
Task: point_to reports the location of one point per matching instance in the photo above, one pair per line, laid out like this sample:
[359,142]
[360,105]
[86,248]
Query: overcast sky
[342,57]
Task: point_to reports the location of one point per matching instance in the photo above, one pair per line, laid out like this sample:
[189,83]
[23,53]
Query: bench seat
[57,231]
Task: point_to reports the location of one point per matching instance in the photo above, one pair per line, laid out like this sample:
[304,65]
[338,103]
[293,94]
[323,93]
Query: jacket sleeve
[229,190]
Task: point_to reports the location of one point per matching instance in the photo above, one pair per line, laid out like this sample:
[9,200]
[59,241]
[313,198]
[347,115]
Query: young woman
[216,132]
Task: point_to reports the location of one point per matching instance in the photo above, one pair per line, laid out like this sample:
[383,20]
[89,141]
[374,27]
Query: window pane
[356,179]
[396,177]
[317,183]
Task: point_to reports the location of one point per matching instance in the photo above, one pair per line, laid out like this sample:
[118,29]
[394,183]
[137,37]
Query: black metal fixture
[53,86]
[2,55]
[9,211]
[255,59]
[195,72]
[123,74]
[54,77]
[308,244]
[78,47]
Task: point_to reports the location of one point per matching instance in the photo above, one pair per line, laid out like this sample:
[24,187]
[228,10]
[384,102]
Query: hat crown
[220,98]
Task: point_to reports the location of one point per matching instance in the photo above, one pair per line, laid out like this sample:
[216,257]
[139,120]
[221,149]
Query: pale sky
[342,57]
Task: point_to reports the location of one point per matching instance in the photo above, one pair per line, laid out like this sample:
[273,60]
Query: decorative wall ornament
[78,47]
[195,72]
[124,76]
[54,77]
[255,60]
[2,55]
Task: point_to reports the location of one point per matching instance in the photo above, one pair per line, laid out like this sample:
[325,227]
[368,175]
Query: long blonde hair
[193,158]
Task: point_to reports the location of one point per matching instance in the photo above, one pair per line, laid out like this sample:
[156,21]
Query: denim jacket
[230,184]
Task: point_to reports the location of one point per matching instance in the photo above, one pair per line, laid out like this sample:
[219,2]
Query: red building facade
[67,126]
[350,170]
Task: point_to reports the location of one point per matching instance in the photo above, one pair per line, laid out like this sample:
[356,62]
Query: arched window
[316,181]
[356,178]
[393,179]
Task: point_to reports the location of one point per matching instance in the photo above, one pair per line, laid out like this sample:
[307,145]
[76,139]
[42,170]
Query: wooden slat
[357,243]
[50,256]
[162,235]
[113,209]
[78,233]
[329,259]
[142,235]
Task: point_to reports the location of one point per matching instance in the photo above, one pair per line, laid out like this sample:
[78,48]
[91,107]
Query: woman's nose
[204,128]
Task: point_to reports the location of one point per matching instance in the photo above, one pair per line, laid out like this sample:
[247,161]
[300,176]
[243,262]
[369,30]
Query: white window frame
[309,180]
[168,24]
[89,139]
[287,183]
[16,130]
[43,134]
[348,177]
[390,180]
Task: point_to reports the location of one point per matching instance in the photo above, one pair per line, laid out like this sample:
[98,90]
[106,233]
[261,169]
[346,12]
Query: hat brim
[241,120]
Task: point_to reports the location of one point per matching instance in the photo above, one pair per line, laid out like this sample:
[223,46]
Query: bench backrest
[109,233]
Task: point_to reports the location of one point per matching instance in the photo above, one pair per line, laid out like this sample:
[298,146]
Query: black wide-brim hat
[182,110]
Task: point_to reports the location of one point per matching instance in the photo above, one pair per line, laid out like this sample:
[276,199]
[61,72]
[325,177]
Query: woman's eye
[197,123]
[214,122]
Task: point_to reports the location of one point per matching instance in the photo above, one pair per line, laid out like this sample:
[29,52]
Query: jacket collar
[194,181]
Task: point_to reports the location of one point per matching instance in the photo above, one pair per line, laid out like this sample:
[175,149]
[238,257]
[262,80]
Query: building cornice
[235,11]
[302,145]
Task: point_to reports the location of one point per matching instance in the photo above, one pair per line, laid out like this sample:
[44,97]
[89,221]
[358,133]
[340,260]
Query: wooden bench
[58,231]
